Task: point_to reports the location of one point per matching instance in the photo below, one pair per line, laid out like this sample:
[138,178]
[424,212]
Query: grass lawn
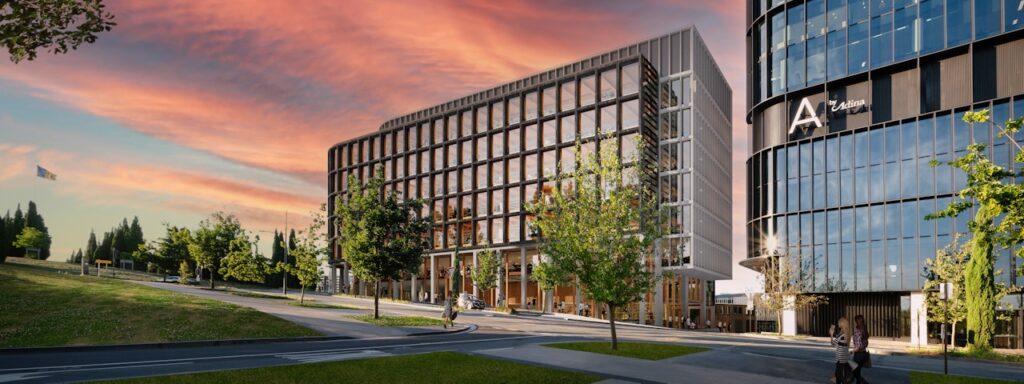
[646,351]
[963,353]
[76,269]
[309,304]
[438,367]
[398,321]
[41,307]
[935,378]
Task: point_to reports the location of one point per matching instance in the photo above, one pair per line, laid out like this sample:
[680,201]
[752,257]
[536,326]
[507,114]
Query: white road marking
[323,357]
[19,377]
[194,359]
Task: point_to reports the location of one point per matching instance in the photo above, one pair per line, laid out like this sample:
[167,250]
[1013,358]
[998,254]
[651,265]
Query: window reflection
[549,101]
[481,176]
[609,119]
[438,131]
[498,114]
[513,165]
[514,204]
[498,173]
[531,167]
[631,79]
[514,141]
[498,202]
[513,229]
[482,205]
[629,147]
[568,96]
[498,144]
[453,154]
[531,106]
[568,131]
[453,181]
[588,91]
[498,230]
[568,160]
[482,121]
[549,133]
[588,125]
[467,151]
[531,137]
[609,84]
[467,123]
[549,163]
[631,114]
[452,124]
[481,148]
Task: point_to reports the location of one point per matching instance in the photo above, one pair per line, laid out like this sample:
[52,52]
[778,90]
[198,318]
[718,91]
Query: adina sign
[805,113]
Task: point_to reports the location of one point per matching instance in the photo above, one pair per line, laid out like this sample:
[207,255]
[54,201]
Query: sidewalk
[626,370]
[327,321]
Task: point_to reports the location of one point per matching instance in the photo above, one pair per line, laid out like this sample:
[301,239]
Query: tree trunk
[952,336]
[302,294]
[778,324]
[376,299]
[213,276]
[611,322]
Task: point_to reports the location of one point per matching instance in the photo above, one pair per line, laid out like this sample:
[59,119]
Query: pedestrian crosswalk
[319,357]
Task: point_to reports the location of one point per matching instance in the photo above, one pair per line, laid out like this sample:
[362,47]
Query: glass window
[609,119]
[958,21]
[549,163]
[815,18]
[424,135]
[531,106]
[514,202]
[482,122]
[549,133]
[438,131]
[531,137]
[467,178]
[481,148]
[514,170]
[881,40]
[631,79]
[669,156]
[568,160]
[481,176]
[836,54]
[815,60]
[513,229]
[795,29]
[858,48]
[498,202]
[933,25]
[669,125]
[498,173]
[778,53]
[514,141]
[549,101]
[568,96]
[588,91]
[588,124]
[453,155]
[858,10]
[453,181]
[514,112]
[568,132]
[630,114]
[498,114]
[498,144]
[531,167]
[498,230]
[836,15]
[452,122]
[986,18]
[467,123]
[629,147]
[413,165]
[609,84]
[1014,14]
[905,35]
[467,151]
[796,51]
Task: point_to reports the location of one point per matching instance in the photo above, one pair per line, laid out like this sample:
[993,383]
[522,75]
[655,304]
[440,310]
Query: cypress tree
[17,224]
[90,248]
[35,220]
[4,244]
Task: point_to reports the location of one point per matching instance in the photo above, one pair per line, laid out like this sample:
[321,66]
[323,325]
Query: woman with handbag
[840,340]
[860,348]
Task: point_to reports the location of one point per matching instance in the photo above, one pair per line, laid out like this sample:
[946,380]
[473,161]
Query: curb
[179,344]
[468,328]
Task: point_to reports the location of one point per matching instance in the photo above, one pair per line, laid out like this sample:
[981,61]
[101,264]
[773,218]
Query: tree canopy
[211,242]
[51,25]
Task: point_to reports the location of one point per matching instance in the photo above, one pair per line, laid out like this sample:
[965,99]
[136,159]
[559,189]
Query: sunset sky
[186,108]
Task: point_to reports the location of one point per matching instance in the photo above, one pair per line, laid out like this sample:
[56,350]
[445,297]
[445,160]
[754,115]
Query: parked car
[469,301]
[172,279]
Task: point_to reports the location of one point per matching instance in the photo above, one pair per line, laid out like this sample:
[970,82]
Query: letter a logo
[805,109]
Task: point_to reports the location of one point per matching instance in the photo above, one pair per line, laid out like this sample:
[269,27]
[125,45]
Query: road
[495,336]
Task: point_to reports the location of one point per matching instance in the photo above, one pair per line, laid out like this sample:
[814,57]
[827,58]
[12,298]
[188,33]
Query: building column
[476,291]
[918,320]
[414,292]
[433,279]
[331,280]
[702,288]
[524,280]
[684,300]
[788,326]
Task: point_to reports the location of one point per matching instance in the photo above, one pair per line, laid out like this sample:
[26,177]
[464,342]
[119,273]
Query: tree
[599,229]
[31,238]
[998,212]
[485,273]
[456,287]
[784,289]
[53,25]
[17,224]
[277,261]
[242,263]
[948,266]
[5,241]
[34,220]
[212,241]
[309,251]
[90,248]
[547,276]
[172,249]
[380,236]
[184,272]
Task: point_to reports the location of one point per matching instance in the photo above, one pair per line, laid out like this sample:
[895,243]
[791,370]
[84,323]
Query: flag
[42,172]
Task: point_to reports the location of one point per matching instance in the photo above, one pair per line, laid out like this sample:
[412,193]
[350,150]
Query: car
[172,279]
[469,301]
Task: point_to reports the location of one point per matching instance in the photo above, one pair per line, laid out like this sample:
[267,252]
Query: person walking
[449,314]
[860,348]
[840,341]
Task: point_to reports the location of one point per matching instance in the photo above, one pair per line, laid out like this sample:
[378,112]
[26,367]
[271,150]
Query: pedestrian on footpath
[449,314]
[860,348]
[841,342]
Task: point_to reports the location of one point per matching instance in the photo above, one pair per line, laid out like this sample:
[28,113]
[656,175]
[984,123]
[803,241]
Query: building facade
[477,159]
[849,101]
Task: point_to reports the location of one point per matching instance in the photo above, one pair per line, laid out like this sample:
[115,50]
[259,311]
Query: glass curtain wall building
[849,101]
[476,160]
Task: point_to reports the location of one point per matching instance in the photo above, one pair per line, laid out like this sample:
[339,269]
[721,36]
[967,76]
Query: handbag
[863,358]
